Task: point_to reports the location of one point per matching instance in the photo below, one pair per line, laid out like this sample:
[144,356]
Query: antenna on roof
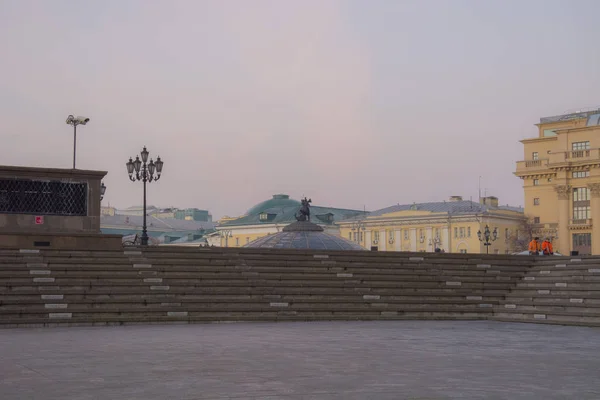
[480,187]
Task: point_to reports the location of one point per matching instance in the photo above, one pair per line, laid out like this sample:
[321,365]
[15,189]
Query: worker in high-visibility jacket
[534,247]
[547,247]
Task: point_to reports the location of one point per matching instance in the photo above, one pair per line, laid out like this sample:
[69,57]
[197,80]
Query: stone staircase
[556,291]
[193,285]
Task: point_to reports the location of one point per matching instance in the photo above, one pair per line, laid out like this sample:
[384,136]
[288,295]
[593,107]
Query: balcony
[532,165]
[580,223]
[575,157]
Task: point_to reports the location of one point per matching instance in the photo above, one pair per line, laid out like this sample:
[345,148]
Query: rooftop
[586,113]
[164,224]
[304,235]
[451,207]
[282,210]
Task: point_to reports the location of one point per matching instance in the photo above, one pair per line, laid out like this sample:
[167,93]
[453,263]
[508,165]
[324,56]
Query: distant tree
[519,239]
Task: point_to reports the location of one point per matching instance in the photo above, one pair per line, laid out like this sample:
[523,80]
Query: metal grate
[42,197]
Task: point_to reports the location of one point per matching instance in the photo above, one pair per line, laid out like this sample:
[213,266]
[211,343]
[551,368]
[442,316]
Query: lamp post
[358,227]
[435,242]
[226,233]
[142,170]
[71,120]
[487,237]
[102,191]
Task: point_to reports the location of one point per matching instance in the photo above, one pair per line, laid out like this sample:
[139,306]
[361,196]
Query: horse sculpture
[304,210]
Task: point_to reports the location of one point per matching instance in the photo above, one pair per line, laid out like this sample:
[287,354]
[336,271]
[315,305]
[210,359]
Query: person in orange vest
[534,247]
[547,247]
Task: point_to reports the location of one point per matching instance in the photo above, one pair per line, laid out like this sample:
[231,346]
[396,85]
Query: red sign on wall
[39,220]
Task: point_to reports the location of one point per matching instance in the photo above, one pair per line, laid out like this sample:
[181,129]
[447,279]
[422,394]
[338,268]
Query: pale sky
[352,103]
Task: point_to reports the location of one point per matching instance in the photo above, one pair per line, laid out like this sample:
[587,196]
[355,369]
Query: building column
[429,238]
[413,239]
[595,216]
[563,192]
[445,237]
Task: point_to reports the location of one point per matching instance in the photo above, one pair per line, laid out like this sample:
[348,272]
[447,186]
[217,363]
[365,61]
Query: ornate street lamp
[358,227]
[486,237]
[102,191]
[225,233]
[142,170]
[71,120]
[435,242]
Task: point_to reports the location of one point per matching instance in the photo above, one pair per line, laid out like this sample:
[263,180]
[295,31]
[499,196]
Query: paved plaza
[293,361]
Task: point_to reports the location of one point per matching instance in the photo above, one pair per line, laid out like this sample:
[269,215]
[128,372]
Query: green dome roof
[278,201]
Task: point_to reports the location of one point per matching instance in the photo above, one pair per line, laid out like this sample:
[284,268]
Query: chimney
[455,198]
[490,201]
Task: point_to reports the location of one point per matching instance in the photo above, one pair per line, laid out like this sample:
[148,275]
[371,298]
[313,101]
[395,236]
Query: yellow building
[271,216]
[450,226]
[561,180]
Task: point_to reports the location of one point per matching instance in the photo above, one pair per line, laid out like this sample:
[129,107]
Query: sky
[354,103]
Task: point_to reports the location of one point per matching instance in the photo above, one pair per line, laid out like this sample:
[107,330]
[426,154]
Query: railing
[528,165]
[580,223]
[574,156]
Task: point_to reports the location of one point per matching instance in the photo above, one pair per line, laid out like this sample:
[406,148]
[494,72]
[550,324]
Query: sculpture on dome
[304,210]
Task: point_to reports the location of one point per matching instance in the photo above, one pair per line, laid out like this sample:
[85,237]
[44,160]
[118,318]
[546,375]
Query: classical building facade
[561,180]
[450,226]
[272,215]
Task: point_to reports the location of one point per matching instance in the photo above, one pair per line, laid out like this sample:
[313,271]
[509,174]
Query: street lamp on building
[102,191]
[358,228]
[142,170]
[487,237]
[71,120]
[435,242]
[226,233]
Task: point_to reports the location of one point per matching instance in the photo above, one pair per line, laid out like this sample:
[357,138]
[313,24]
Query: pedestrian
[534,247]
[547,247]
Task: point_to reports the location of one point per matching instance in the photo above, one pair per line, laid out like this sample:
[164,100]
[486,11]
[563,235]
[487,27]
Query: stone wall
[32,209]
[25,221]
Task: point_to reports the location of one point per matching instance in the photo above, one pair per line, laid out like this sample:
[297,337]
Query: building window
[581,194]
[536,201]
[536,220]
[376,236]
[581,174]
[391,233]
[406,234]
[247,240]
[437,233]
[506,233]
[263,216]
[581,213]
[349,235]
[535,156]
[461,232]
[455,232]
[237,241]
[577,146]
[582,242]
[463,251]
[536,182]
[469,231]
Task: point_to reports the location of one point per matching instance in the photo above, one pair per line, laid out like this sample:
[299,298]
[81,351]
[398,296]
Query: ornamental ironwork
[18,196]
